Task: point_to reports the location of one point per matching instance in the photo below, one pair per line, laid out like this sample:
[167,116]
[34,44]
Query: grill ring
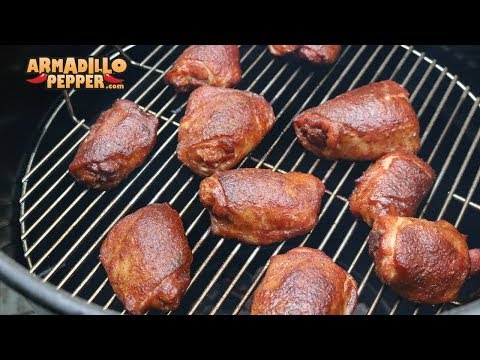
[448,116]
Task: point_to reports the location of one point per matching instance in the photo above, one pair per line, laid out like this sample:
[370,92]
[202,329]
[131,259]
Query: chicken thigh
[147,259]
[318,54]
[362,124]
[423,261]
[394,185]
[118,142]
[260,206]
[305,281]
[199,65]
[220,127]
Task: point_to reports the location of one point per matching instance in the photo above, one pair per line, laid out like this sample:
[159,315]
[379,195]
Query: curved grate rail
[63,223]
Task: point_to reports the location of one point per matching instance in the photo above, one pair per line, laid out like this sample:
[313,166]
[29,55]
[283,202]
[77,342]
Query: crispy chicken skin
[319,54]
[305,281]
[281,50]
[259,206]
[394,185]
[474,262]
[118,142]
[423,261]
[220,127]
[147,259]
[199,65]
[362,124]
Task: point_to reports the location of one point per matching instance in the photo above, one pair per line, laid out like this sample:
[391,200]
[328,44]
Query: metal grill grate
[64,223]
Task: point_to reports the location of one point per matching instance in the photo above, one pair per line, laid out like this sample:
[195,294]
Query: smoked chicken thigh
[118,142]
[394,185]
[281,50]
[362,124]
[305,281]
[199,65]
[319,54]
[147,259]
[259,206]
[220,127]
[423,261]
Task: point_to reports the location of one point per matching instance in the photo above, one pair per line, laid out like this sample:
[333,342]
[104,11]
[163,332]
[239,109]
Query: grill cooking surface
[63,223]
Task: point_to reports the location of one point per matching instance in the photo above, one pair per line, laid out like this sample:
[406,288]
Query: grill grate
[64,223]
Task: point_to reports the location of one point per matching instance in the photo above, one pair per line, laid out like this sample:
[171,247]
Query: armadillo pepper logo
[77,73]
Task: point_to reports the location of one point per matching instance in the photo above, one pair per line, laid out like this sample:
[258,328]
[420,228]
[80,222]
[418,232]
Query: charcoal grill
[63,223]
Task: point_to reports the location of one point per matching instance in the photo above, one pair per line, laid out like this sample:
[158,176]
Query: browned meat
[474,262]
[281,50]
[199,65]
[305,281]
[394,185]
[421,260]
[147,259]
[319,54]
[118,142]
[220,127]
[259,206]
[361,124]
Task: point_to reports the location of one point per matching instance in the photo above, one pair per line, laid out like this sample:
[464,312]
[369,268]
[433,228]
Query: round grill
[63,223]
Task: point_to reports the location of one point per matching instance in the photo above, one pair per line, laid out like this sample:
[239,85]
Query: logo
[77,73]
